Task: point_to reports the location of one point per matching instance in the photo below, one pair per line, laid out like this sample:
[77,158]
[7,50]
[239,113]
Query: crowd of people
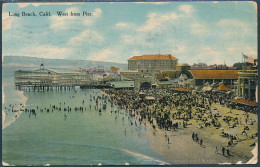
[186,105]
[172,110]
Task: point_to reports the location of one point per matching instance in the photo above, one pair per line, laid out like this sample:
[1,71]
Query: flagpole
[243,58]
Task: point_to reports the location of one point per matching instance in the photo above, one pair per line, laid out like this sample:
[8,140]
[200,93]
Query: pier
[48,80]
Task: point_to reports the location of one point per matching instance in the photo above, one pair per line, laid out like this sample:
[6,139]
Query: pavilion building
[198,78]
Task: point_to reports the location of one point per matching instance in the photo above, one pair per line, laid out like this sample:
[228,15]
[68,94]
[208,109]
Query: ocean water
[80,138]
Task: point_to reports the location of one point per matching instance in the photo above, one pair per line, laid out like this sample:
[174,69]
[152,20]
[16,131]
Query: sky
[193,32]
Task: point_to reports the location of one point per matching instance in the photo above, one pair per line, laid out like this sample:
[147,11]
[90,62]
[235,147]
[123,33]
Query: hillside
[59,63]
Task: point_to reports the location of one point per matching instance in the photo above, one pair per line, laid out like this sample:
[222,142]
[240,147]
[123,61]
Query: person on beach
[228,151]
[223,151]
[201,141]
[216,150]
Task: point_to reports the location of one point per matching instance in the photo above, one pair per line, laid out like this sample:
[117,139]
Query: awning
[183,89]
[244,102]
[223,87]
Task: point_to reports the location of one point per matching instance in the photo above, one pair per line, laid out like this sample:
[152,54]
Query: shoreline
[182,149]
[23,100]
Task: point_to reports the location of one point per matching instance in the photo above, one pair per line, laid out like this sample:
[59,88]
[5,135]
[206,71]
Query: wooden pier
[48,80]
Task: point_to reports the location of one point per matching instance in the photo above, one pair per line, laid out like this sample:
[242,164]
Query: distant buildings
[199,66]
[114,69]
[130,75]
[210,67]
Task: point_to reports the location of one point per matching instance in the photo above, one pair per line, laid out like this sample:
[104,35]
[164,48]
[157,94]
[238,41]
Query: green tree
[239,65]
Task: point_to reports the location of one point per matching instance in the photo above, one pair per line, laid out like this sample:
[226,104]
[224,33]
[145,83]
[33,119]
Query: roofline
[212,70]
[154,55]
[215,78]
[215,69]
[153,59]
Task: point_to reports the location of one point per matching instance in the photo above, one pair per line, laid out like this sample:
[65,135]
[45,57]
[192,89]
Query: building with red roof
[202,76]
[152,63]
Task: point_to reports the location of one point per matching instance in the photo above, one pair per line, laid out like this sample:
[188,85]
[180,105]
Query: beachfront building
[247,84]
[44,78]
[168,74]
[152,63]
[129,75]
[145,70]
[198,78]
[147,66]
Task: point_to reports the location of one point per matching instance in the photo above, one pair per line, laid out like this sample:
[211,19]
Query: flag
[248,59]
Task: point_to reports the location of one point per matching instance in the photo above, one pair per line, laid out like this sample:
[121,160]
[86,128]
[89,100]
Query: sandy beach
[236,130]
[183,150]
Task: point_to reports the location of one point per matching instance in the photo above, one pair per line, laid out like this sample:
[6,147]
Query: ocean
[87,137]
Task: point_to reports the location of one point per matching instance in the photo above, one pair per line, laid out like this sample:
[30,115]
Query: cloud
[250,51]
[157,20]
[86,36]
[125,26]
[64,22]
[179,49]
[97,12]
[186,9]
[103,55]
[154,3]
[6,21]
[95,15]
[210,55]
[46,51]
[187,35]
[233,28]
[199,28]
[23,5]
[72,9]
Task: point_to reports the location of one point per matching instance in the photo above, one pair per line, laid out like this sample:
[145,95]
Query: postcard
[129,83]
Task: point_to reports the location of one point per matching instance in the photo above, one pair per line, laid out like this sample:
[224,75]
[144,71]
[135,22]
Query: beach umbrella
[223,87]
